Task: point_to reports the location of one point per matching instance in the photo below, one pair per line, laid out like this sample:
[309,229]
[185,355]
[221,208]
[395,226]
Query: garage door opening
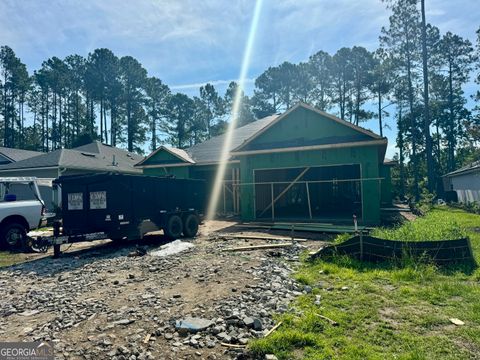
[326,192]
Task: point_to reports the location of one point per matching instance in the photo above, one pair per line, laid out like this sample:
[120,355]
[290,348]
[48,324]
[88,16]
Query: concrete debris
[193,325]
[172,248]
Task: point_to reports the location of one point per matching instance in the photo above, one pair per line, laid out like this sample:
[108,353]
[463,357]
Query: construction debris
[193,325]
[307,227]
[233,345]
[332,322]
[261,237]
[259,247]
[172,248]
[457,322]
[273,329]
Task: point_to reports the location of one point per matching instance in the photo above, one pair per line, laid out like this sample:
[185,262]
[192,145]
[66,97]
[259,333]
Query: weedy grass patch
[8,258]
[385,310]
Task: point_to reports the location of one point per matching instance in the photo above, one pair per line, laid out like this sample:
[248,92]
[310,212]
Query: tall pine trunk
[380,124]
[401,144]
[416,177]
[451,124]
[426,109]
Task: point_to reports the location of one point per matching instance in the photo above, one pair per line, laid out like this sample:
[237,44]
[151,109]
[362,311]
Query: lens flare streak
[225,153]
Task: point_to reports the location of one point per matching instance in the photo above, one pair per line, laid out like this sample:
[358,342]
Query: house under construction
[302,165]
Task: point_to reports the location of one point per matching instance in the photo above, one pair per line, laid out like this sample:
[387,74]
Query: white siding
[467,187]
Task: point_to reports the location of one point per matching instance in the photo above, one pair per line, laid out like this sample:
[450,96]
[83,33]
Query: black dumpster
[128,206]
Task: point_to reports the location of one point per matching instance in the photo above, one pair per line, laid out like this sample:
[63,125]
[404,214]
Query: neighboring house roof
[389,162]
[209,152]
[12,155]
[93,156]
[472,167]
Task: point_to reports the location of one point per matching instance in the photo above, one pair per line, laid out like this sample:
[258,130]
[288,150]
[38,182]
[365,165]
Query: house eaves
[313,147]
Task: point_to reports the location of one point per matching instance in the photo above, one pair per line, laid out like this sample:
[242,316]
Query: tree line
[415,78]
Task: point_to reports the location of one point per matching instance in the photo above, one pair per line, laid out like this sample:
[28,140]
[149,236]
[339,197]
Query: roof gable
[166,156]
[304,126]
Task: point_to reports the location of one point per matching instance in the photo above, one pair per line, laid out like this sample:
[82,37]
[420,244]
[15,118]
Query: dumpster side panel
[120,204]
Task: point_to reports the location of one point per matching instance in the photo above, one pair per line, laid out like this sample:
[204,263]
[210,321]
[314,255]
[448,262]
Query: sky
[187,43]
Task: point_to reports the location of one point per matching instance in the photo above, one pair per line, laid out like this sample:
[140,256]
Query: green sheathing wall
[367,157]
[386,195]
[307,125]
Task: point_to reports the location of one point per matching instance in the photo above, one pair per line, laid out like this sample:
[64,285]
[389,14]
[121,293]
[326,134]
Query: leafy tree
[132,77]
[76,66]
[320,65]
[267,92]
[362,65]
[158,95]
[245,114]
[342,78]
[381,84]
[402,40]
[180,112]
[455,55]
[213,104]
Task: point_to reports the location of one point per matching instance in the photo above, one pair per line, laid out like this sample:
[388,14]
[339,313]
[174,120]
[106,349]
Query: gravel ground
[102,303]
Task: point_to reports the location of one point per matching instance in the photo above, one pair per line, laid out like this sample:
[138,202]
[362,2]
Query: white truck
[21,210]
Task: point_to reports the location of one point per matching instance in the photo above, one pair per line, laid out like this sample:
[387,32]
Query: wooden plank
[259,247]
[235,346]
[308,198]
[273,329]
[260,237]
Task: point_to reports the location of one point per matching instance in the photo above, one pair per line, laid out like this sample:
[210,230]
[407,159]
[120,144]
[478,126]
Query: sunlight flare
[218,183]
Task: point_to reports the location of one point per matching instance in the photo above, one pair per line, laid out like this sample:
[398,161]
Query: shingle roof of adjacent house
[17,154]
[474,166]
[93,156]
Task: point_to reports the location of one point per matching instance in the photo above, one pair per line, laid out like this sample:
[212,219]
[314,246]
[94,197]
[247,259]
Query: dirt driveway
[96,301]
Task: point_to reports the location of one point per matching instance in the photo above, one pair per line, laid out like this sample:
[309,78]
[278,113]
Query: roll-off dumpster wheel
[174,227]
[190,226]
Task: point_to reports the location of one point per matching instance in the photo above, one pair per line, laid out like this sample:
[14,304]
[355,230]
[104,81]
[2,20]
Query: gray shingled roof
[209,151]
[18,154]
[474,166]
[94,156]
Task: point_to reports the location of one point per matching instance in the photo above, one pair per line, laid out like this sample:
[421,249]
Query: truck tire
[13,235]
[190,226]
[174,227]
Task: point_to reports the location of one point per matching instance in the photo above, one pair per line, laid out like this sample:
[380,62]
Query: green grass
[390,311]
[439,224]
[8,258]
